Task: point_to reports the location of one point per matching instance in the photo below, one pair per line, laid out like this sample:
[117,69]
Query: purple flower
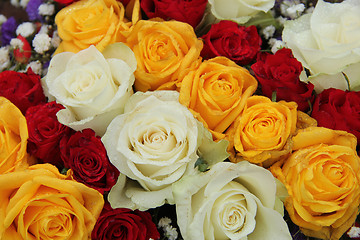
[8,29]
[32,10]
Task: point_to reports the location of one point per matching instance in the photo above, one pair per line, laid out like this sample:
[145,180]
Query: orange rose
[40,203]
[13,138]
[164,51]
[216,93]
[93,22]
[263,131]
[322,177]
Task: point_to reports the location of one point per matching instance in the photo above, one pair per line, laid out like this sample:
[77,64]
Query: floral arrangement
[162,119]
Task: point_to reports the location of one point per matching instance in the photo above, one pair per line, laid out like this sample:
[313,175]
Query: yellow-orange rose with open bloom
[13,138]
[93,22]
[41,203]
[322,177]
[216,93]
[262,133]
[164,50]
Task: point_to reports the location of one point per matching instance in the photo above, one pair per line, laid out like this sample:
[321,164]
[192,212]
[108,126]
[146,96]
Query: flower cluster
[161,119]
[29,44]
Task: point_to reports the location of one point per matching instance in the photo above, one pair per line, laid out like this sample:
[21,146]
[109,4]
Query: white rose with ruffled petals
[154,144]
[92,86]
[230,201]
[239,11]
[327,42]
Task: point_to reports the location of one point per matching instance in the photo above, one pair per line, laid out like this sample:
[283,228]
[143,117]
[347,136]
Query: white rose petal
[93,88]
[239,11]
[154,144]
[327,41]
[230,201]
[338,80]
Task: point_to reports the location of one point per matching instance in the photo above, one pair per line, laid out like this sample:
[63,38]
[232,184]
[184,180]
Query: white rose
[230,201]
[92,86]
[239,11]
[327,42]
[154,144]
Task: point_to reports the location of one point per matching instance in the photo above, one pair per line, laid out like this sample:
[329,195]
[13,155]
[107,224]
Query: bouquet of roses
[162,119]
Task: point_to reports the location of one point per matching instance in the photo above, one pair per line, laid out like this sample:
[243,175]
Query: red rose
[22,89]
[65,2]
[85,155]
[45,133]
[339,110]
[23,55]
[189,11]
[227,38]
[280,73]
[124,224]
[124,2]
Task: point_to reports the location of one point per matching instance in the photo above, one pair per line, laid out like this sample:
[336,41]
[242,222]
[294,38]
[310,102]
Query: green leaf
[347,80]
[201,164]
[263,20]
[273,96]
[64,171]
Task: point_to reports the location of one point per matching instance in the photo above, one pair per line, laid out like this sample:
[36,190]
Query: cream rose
[327,42]
[154,144]
[239,11]
[230,201]
[92,86]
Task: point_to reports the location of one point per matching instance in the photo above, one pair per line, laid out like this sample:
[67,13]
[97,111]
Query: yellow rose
[93,22]
[13,138]
[262,133]
[164,51]
[216,93]
[40,203]
[322,177]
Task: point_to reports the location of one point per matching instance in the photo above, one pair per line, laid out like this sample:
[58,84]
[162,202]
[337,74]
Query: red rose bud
[85,155]
[339,110]
[23,54]
[188,11]
[22,89]
[124,224]
[280,73]
[45,133]
[227,38]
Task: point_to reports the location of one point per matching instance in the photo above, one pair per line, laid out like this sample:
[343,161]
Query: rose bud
[23,54]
